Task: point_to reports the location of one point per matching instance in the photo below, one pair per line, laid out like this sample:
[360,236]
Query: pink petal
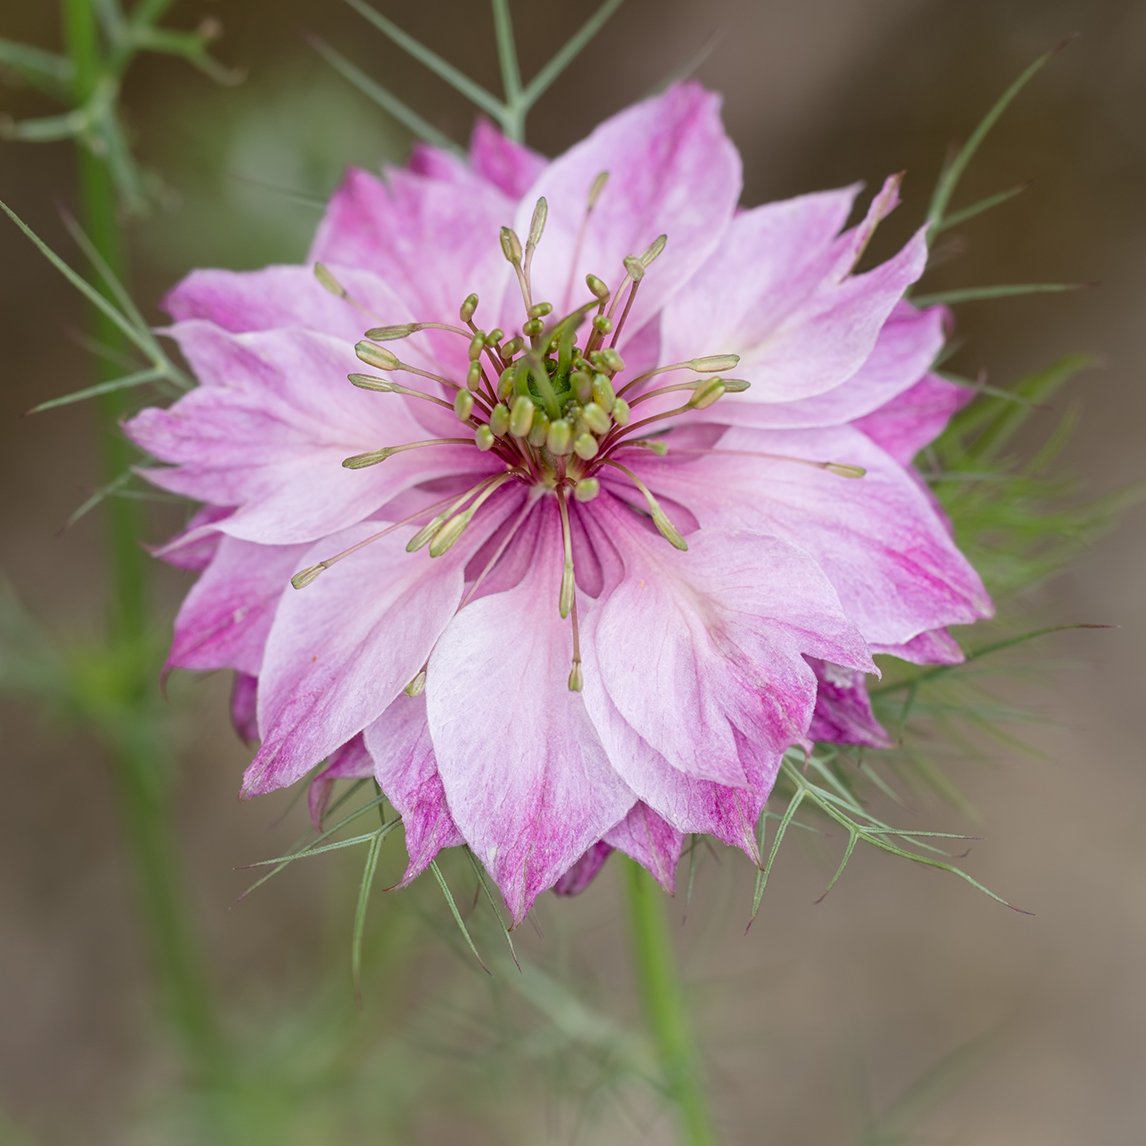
[584,871]
[915,419]
[225,618]
[528,784]
[350,762]
[843,712]
[193,547]
[506,164]
[407,772]
[703,636]
[878,538]
[937,647]
[244,701]
[343,648]
[651,841]
[671,170]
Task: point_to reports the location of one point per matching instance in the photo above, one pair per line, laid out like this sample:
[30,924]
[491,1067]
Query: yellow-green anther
[603,393]
[602,323]
[477,345]
[653,249]
[512,347]
[499,420]
[596,418]
[586,489]
[558,439]
[655,445]
[371,458]
[540,310]
[450,532]
[585,447]
[707,393]
[370,382]
[463,405]
[506,382]
[537,222]
[308,576]
[635,268]
[392,333]
[424,534]
[533,327]
[841,469]
[494,336]
[736,385]
[568,589]
[539,431]
[521,416]
[597,287]
[595,189]
[418,685]
[376,356]
[473,376]
[621,412]
[582,384]
[328,281]
[576,680]
[612,361]
[510,245]
[712,362]
[469,306]
[483,437]
[666,528]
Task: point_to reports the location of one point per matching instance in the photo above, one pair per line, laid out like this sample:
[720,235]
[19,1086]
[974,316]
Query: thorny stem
[665,1006]
[137,766]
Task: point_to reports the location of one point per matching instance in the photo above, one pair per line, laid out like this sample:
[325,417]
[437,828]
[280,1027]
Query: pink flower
[575,579]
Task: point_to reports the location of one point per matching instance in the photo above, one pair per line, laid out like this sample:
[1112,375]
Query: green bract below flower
[618,514]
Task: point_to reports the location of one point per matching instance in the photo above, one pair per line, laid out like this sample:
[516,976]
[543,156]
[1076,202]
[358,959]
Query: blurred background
[905,1007]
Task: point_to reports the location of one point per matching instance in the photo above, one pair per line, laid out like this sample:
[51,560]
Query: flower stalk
[665,1009]
[137,752]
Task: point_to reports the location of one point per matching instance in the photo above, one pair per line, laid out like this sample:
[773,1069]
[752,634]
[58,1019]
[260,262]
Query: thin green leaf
[507,51]
[691,64]
[125,383]
[957,218]
[45,71]
[853,839]
[545,78]
[369,871]
[1003,290]
[46,129]
[934,671]
[954,171]
[483,880]
[443,69]
[98,496]
[763,874]
[94,296]
[457,915]
[389,103]
[307,853]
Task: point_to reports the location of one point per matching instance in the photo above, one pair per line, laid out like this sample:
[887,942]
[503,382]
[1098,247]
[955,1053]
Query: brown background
[823,1014]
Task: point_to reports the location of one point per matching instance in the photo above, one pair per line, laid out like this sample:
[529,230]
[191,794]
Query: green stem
[665,1006]
[141,783]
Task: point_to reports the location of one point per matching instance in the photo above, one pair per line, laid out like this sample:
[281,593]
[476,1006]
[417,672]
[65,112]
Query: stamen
[511,248]
[568,580]
[385,386]
[595,190]
[536,228]
[507,536]
[707,365]
[373,457]
[576,680]
[840,469]
[418,685]
[454,527]
[377,356]
[664,527]
[452,505]
[731,386]
[405,329]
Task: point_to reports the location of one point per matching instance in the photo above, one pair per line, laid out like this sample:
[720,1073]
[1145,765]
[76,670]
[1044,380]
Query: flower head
[613,510]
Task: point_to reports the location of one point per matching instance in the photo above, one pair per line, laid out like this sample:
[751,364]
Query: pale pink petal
[407,772]
[227,615]
[671,170]
[194,546]
[843,712]
[350,762]
[528,783]
[878,538]
[915,419]
[704,636]
[344,647]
